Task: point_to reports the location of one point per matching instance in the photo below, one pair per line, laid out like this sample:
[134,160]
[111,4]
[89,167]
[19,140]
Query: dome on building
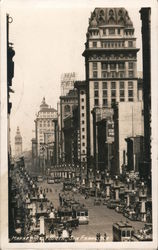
[110,16]
[44,105]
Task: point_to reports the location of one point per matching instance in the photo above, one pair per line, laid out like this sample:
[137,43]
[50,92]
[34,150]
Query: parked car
[105,201]
[112,204]
[97,202]
[119,208]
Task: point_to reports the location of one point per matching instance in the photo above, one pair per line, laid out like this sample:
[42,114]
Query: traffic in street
[55,208]
[101,218]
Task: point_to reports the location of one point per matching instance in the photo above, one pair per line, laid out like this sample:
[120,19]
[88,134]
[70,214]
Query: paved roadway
[100,217]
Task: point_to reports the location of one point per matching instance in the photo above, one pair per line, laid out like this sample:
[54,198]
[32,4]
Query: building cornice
[90,51]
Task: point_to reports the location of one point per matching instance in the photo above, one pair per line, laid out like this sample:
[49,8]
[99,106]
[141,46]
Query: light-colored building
[67,82]
[18,143]
[44,127]
[111,63]
[128,122]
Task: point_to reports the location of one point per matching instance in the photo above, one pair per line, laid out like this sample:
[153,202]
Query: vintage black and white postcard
[79,124]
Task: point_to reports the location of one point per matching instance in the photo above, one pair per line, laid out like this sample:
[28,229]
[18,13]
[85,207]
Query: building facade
[82,118]
[81,138]
[145,14]
[34,151]
[134,153]
[128,122]
[67,104]
[18,143]
[111,63]
[45,134]
[103,132]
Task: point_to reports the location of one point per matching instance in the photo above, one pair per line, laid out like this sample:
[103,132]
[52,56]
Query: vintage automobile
[112,204]
[119,208]
[57,179]
[97,202]
[67,185]
[130,214]
[144,234]
[105,201]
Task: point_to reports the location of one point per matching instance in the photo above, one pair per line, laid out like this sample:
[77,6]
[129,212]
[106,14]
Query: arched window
[66,109]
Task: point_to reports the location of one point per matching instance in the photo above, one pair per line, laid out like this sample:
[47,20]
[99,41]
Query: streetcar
[67,216]
[67,186]
[57,179]
[122,231]
[81,213]
[50,180]
[39,178]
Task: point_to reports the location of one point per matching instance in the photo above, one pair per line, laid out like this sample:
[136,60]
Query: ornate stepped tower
[111,63]
[18,143]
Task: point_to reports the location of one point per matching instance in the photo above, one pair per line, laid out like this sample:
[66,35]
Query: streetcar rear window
[123,234]
[128,233]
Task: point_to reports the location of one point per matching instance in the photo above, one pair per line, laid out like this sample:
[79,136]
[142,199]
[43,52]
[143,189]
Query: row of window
[113,74]
[113,85]
[45,131]
[46,124]
[113,100]
[111,44]
[113,93]
[112,66]
[111,31]
[46,115]
[83,122]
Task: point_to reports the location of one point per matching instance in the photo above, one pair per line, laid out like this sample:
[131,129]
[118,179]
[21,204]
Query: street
[101,218]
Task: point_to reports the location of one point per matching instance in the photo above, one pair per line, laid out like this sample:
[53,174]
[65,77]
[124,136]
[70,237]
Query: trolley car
[122,231]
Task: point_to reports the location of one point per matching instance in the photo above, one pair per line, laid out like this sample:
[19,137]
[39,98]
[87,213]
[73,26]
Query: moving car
[112,204]
[97,202]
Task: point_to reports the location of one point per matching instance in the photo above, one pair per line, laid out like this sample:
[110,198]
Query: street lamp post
[116,188]
[107,185]
[143,199]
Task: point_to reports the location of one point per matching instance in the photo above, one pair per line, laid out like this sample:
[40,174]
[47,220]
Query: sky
[48,40]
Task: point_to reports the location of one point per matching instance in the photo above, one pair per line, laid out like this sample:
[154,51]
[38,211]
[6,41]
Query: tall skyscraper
[111,63]
[18,143]
[146,44]
[44,127]
[67,105]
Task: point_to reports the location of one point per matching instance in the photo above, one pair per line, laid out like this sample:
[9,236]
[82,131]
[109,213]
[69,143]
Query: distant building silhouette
[18,143]
[67,82]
